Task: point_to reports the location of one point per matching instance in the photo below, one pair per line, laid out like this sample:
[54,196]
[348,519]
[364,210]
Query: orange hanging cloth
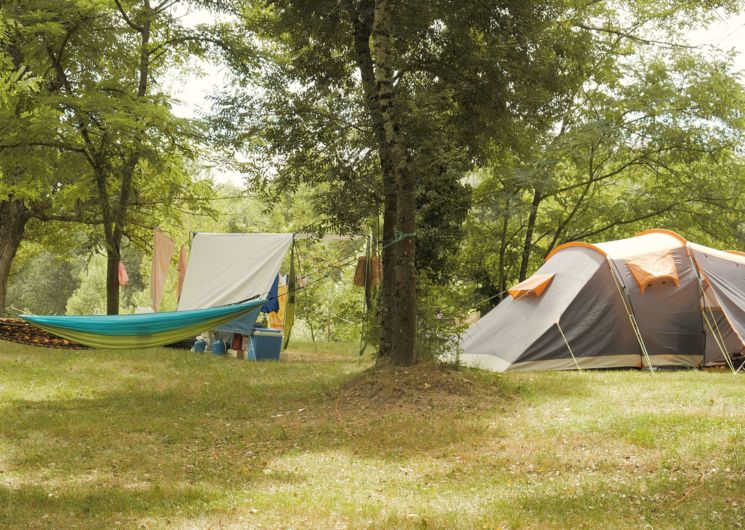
[123,276]
[163,248]
[183,259]
[376,271]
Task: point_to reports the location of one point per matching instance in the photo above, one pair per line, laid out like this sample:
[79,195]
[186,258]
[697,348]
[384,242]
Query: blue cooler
[266,343]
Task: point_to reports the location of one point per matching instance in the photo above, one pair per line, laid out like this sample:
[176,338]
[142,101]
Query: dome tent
[629,303]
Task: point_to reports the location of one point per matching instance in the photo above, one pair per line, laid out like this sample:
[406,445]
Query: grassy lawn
[169,439]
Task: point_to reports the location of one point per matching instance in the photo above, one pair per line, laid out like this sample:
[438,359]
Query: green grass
[169,439]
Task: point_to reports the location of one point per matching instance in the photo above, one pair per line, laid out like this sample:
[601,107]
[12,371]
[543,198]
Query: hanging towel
[376,271]
[183,259]
[163,248]
[123,276]
[277,318]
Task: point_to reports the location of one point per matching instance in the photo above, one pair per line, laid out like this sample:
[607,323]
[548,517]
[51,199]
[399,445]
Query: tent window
[653,269]
[533,286]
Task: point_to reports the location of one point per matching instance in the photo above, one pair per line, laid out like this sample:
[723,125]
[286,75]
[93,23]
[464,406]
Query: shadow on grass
[180,435]
[98,505]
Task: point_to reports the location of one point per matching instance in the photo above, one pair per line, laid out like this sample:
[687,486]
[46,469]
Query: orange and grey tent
[652,300]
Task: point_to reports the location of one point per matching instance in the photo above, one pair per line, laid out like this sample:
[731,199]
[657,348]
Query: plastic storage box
[266,343]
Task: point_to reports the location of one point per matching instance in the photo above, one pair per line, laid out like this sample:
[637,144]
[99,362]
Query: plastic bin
[266,343]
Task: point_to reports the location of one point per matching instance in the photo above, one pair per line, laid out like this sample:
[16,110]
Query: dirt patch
[425,386]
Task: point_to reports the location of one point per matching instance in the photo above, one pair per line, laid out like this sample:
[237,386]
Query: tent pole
[721,345]
[630,314]
[568,346]
[720,338]
[291,299]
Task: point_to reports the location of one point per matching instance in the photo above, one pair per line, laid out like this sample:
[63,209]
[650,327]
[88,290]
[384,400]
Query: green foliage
[90,297]
[96,141]
[651,140]
[43,284]
[441,315]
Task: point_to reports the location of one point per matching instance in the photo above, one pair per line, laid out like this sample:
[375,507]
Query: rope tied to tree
[400,236]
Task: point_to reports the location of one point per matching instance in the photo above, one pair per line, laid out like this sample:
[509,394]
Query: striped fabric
[142,330]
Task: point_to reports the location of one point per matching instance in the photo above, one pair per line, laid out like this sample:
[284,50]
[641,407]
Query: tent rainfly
[651,300]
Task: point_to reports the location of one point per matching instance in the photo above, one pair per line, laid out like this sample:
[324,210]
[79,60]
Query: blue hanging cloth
[272,299]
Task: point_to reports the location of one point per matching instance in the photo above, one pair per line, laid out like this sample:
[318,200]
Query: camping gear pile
[224,267]
[16,330]
[653,300]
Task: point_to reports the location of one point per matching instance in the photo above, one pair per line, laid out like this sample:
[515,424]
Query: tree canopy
[469,138]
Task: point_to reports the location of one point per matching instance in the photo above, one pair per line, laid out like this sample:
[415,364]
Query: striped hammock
[120,332]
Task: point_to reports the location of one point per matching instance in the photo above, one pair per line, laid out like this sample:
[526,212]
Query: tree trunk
[362,17]
[403,339]
[528,244]
[14,217]
[115,233]
[502,285]
[113,257]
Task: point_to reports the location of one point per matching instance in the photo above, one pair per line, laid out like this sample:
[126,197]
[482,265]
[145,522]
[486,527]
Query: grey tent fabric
[724,274]
[668,315]
[599,295]
[524,331]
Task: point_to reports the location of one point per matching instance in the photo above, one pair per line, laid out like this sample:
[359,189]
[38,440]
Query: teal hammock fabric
[142,330]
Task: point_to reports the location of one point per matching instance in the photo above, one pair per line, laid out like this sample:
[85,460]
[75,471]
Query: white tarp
[228,268]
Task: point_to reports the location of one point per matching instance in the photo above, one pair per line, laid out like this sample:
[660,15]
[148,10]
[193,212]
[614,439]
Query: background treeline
[493,131]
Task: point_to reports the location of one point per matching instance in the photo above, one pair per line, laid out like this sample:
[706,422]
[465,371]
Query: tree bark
[14,217]
[118,218]
[362,15]
[528,244]
[403,343]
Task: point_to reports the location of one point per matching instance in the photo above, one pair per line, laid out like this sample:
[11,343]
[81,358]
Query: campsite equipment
[200,345]
[218,347]
[223,268]
[266,344]
[141,330]
[652,300]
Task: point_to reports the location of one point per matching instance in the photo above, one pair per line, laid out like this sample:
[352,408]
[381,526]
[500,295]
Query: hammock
[142,330]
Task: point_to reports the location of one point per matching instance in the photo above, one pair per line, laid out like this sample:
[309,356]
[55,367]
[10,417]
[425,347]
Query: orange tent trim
[574,244]
[663,231]
[533,286]
[653,269]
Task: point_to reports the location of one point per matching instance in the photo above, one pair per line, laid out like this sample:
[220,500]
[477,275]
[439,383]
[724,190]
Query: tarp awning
[228,268]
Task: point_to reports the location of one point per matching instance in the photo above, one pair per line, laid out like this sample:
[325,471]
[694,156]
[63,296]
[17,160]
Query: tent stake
[568,346]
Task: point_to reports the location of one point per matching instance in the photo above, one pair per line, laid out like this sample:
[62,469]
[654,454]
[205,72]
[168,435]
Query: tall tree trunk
[113,257]
[13,217]
[502,286]
[362,15]
[403,343]
[528,244]
[119,214]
